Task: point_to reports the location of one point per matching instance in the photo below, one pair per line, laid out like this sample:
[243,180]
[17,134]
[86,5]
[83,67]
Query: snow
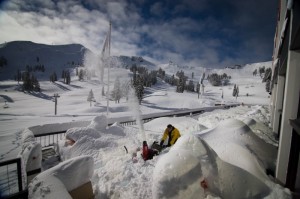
[227,150]
[178,174]
[57,181]
[235,142]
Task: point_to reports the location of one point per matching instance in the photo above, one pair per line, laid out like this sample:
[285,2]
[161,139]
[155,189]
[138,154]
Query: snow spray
[135,107]
[93,63]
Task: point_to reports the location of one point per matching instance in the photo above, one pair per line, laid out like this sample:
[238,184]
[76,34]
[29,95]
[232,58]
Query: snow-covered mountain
[138,61]
[54,58]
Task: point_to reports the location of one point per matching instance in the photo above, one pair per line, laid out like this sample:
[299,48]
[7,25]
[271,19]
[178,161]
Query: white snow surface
[227,149]
[56,182]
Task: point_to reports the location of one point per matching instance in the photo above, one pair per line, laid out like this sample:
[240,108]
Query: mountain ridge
[56,58]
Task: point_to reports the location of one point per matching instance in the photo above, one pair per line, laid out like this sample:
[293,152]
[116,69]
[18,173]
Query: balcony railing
[11,184]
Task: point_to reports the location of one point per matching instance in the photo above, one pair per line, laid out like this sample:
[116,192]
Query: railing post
[19,170]
[17,191]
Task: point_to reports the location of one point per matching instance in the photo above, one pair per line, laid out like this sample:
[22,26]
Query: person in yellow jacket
[172,133]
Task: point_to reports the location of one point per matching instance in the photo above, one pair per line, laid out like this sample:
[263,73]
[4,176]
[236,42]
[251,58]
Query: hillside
[139,61]
[54,58]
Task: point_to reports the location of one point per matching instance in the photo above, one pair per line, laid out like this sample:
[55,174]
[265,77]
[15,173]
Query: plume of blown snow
[137,114]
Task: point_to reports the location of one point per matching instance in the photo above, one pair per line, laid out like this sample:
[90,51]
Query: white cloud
[183,39]
[68,23]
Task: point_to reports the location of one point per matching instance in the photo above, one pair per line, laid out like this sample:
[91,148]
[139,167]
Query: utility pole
[55,100]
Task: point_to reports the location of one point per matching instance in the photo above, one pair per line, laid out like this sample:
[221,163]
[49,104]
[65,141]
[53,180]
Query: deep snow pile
[235,142]
[65,177]
[179,173]
[198,156]
[89,140]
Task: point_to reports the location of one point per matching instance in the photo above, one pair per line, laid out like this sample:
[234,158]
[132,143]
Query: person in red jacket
[172,133]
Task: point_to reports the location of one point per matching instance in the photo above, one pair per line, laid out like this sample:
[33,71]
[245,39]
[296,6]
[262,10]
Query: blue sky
[209,33]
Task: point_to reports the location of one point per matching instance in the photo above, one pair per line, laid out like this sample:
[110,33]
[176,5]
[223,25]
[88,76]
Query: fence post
[19,170]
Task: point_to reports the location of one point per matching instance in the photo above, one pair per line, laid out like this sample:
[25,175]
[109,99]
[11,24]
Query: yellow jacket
[173,136]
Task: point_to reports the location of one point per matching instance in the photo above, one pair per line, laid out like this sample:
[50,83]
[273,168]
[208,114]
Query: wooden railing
[50,138]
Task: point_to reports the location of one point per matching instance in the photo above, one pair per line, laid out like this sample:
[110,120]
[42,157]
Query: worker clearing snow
[173,134]
[170,132]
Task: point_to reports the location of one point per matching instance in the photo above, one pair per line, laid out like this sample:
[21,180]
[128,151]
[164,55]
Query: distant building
[285,98]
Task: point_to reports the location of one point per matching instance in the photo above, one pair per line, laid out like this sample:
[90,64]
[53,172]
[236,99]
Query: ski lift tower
[55,100]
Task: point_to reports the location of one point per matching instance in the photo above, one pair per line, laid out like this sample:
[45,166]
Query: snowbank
[63,178]
[88,140]
[235,143]
[31,155]
[179,173]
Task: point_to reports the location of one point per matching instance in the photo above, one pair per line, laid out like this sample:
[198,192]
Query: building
[285,98]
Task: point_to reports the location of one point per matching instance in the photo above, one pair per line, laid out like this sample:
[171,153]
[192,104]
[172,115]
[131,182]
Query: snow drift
[178,174]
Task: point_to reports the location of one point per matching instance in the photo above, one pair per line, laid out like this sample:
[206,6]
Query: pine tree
[26,81]
[90,97]
[261,70]
[134,78]
[198,89]
[81,75]
[268,86]
[191,86]
[180,85]
[234,91]
[63,75]
[103,92]
[202,79]
[172,80]
[139,88]
[53,77]
[35,84]
[68,77]
[215,79]
[268,74]
[255,72]
[19,76]
[161,73]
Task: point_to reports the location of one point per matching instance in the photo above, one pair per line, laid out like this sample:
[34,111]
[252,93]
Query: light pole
[55,100]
